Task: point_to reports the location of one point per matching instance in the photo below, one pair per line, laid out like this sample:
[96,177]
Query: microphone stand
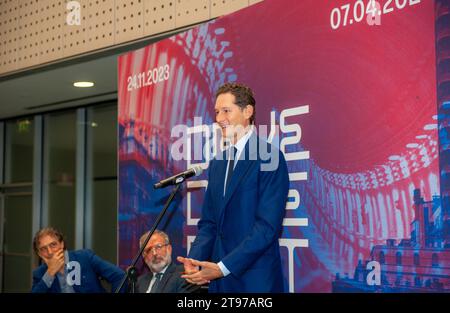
[132,271]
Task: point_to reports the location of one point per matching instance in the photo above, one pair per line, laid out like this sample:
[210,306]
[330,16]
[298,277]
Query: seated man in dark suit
[69,271]
[164,275]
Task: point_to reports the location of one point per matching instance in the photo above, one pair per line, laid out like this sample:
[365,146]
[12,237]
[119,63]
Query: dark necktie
[231,157]
[156,283]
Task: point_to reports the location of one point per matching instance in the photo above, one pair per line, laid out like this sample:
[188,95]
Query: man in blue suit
[69,271]
[236,248]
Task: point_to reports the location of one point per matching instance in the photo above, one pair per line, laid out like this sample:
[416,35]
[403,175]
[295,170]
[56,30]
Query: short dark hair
[243,96]
[47,231]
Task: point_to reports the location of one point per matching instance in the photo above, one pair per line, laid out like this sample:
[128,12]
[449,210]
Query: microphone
[179,178]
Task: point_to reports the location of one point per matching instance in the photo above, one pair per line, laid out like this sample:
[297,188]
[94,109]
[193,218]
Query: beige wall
[35,32]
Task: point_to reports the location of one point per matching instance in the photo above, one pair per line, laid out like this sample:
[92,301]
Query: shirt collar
[66,257]
[240,144]
[162,271]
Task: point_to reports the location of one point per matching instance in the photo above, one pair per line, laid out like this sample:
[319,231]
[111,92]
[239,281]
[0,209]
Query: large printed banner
[347,91]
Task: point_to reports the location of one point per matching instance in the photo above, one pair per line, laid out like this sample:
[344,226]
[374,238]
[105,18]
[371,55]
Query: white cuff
[48,280]
[223,269]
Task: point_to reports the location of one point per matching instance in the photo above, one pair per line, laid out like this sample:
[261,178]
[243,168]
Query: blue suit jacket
[92,267]
[242,228]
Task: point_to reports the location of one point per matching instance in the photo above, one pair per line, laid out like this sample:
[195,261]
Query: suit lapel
[239,172]
[72,257]
[165,277]
[143,287]
[222,170]
[246,160]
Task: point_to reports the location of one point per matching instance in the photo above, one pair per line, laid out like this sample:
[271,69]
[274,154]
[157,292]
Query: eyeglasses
[52,245]
[155,249]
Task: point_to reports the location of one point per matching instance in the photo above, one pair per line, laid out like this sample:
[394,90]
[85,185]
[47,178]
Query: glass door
[16,207]
[16,252]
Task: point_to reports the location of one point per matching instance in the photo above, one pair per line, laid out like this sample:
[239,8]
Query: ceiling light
[83,84]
